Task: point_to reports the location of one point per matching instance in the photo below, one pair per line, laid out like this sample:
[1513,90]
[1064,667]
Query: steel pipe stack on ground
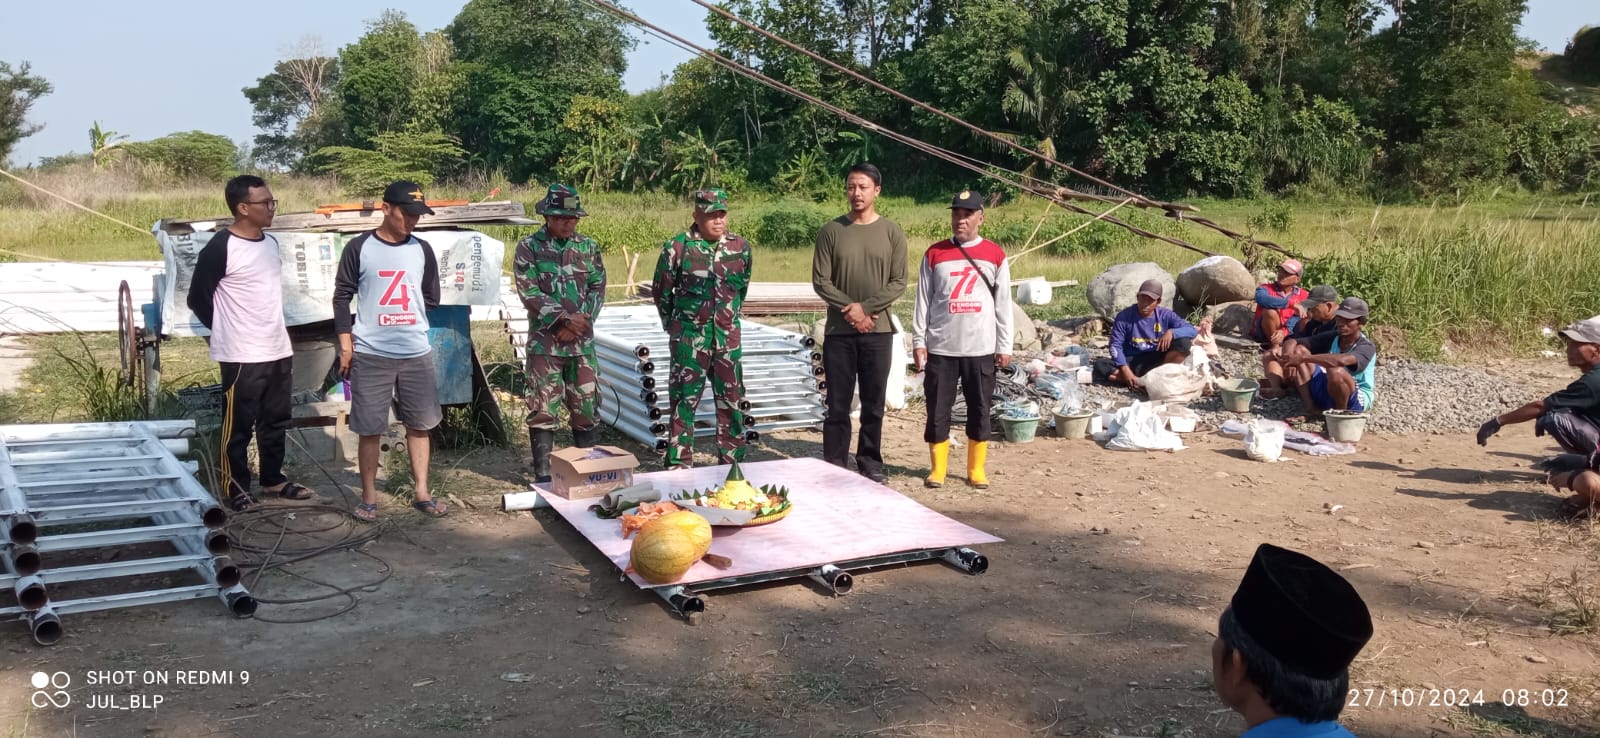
[781,372]
[124,480]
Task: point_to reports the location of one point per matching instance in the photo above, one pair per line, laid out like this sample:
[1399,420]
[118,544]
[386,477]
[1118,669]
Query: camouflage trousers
[552,379]
[691,365]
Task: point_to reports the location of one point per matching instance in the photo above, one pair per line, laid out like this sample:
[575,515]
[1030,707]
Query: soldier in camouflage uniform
[699,287]
[562,281]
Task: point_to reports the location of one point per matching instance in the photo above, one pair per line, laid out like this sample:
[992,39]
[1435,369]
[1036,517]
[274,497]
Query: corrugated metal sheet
[57,297]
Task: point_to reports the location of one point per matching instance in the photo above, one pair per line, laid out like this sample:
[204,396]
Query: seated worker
[1278,305]
[1282,655]
[1146,335]
[1572,416]
[1324,300]
[1334,370]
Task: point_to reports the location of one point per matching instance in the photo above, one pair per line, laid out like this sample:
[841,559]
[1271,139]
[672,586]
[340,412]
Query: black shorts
[1141,364]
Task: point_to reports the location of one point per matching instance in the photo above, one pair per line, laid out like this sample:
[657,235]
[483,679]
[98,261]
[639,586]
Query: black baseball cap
[967,199]
[408,195]
[1353,308]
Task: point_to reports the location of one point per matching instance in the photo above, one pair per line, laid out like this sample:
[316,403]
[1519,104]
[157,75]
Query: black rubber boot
[542,443]
[585,438]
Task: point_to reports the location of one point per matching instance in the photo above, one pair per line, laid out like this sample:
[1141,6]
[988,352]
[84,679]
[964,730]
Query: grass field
[1488,271]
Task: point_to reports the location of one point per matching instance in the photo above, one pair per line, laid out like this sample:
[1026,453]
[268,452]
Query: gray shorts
[376,382]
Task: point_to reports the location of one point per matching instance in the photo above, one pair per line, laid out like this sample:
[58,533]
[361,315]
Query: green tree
[1582,55]
[297,107]
[525,62]
[19,88]
[189,155]
[417,156]
[378,77]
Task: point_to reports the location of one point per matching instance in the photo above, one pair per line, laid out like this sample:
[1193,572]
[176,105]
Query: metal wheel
[127,337]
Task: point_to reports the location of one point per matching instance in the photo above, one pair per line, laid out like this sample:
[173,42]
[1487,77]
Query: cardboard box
[581,473]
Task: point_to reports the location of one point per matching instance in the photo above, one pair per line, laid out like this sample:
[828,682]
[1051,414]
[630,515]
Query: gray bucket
[1072,426]
[1237,393]
[1344,426]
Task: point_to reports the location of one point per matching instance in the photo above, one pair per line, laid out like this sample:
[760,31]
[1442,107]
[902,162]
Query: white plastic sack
[1140,428]
[1263,439]
[1180,382]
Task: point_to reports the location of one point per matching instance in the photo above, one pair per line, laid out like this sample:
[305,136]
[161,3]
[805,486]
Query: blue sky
[160,66]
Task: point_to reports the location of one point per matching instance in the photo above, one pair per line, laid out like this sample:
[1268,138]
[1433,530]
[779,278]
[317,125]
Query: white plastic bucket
[1033,292]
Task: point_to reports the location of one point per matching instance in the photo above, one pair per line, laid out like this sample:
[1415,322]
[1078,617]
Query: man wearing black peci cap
[1284,646]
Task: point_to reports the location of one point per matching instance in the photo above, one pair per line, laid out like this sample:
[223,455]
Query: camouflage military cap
[560,200]
[712,200]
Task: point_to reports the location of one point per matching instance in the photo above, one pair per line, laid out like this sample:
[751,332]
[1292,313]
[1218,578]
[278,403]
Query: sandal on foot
[290,491]
[430,508]
[242,502]
[365,512]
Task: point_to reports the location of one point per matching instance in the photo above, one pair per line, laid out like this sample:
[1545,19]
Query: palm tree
[103,143]
[1039,95]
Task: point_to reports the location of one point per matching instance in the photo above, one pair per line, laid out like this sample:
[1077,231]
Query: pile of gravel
[1413,397]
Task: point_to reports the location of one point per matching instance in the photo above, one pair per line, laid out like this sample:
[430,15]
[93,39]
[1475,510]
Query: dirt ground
[1095,617]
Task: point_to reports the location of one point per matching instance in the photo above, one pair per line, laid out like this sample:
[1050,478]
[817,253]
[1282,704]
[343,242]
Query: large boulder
[1232,318]
[1215,280]
[1024,336]
[1118,287]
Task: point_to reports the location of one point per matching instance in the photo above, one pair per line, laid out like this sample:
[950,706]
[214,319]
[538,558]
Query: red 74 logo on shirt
[397,293]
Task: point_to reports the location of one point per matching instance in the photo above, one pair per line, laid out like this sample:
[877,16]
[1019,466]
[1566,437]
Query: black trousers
[975,375]
[255,402]
[853,362]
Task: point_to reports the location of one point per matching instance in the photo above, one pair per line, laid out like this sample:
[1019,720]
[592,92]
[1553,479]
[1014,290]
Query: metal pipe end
[647,367]
[658,428]
[967,560]
[214,517]
[648,383]
[23,529]
[641,351]
[217,543]
[239,602]
[752,437]
[46,627]
[31,594]
[225,573]
[25,559]
[661,444]
[687,603]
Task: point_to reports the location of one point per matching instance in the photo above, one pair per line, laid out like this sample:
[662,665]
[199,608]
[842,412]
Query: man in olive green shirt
[859,270]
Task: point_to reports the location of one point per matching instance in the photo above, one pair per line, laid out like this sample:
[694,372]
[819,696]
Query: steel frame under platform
[841,523]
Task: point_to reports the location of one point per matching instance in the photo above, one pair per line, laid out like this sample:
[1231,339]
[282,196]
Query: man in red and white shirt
[961,332]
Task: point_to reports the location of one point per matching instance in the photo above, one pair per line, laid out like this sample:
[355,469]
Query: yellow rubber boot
[977,455]
[939,455]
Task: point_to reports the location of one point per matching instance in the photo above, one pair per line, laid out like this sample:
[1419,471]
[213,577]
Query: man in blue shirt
[1282,654]
[1146,335]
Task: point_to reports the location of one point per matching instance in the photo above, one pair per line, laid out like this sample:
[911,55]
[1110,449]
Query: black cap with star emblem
[967,199]
[408,196]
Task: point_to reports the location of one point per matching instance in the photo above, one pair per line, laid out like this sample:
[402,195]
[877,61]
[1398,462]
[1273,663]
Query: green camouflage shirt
[557,279]
[700,285]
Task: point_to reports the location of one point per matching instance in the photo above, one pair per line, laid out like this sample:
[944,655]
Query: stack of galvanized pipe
[86,506]
[782,384]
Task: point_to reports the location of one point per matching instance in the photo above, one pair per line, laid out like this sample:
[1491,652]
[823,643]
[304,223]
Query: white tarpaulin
[469,273]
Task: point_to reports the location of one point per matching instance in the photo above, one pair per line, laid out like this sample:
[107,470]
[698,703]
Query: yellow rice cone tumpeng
[977,455]
[939,455]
